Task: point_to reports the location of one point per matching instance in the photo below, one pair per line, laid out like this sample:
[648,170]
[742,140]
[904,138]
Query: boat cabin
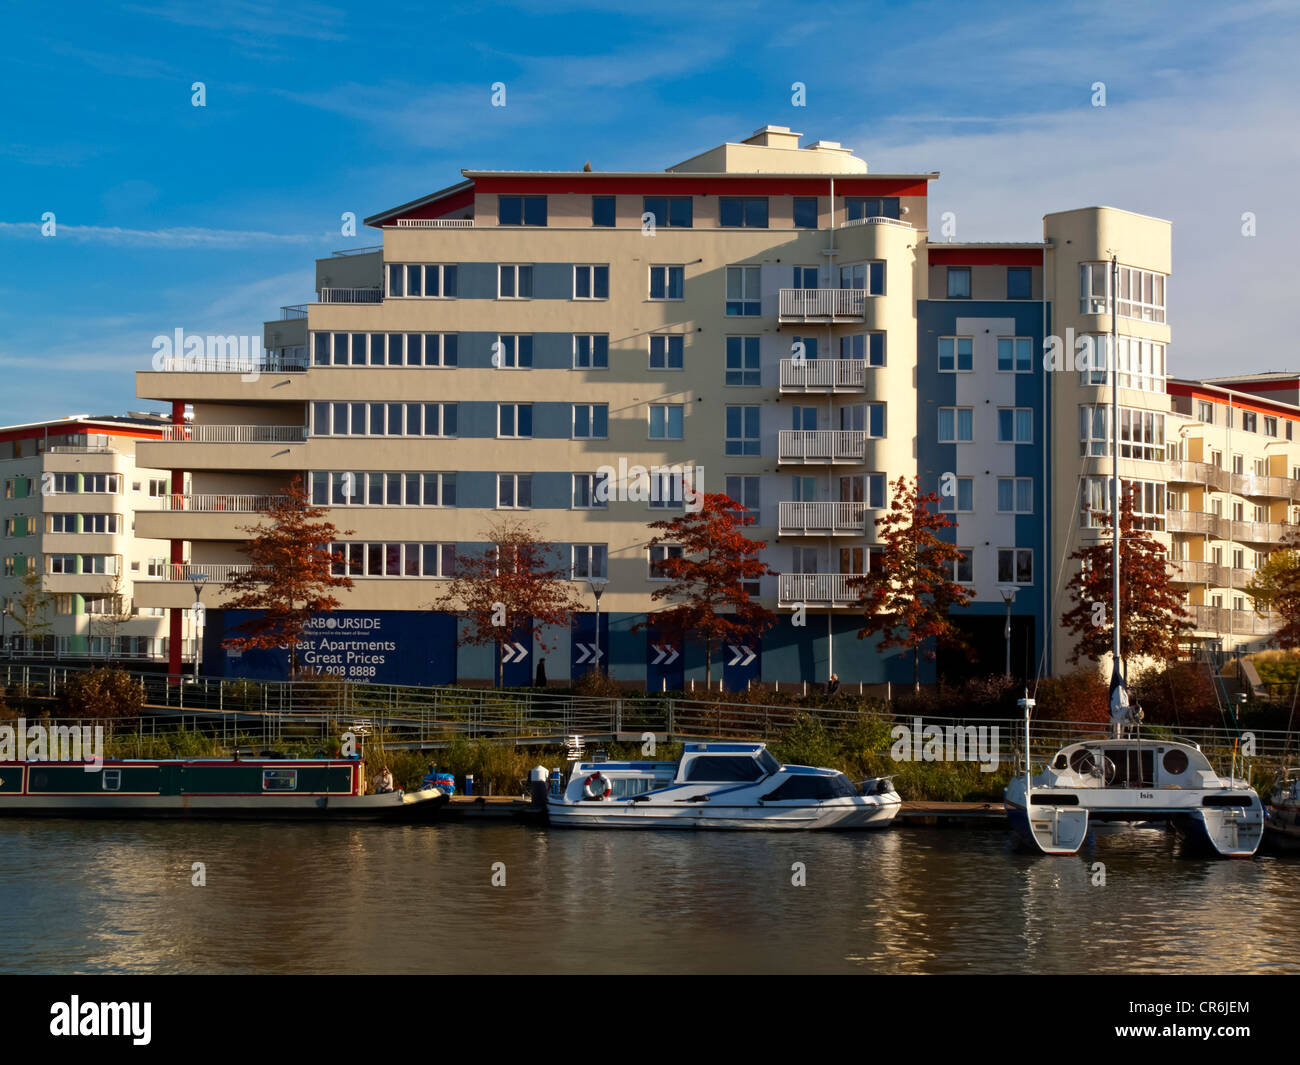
[1114,763]
[725,763]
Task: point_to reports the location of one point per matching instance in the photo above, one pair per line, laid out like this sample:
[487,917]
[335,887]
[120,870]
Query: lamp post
[4,635]
[1008,597]
[597,589]
[198,580]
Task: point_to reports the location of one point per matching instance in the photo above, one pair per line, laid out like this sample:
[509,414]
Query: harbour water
[119,897]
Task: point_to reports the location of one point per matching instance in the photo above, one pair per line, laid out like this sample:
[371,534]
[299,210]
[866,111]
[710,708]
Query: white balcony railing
[801,304]
[267,362]
[1219,619]
[235,434]
[216,572]
[351,295]
[822,519]
[822,445]
[876,220]
[235,504]
[828,589]
[435,223]
[823,375]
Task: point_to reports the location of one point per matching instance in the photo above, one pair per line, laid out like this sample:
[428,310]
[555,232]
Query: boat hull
[395,806]
[1282,826]
[830,815]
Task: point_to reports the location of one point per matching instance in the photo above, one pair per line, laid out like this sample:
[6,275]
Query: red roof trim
[940,256]
[1203,392]
[80,429]
[437,209]
[700,185]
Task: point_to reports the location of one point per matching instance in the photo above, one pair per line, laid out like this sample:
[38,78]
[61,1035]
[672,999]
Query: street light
[198,580]
[597,589]
[1008,597]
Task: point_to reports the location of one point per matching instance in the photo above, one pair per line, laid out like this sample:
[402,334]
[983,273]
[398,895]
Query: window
[746,212]
[658,554]
[956,425]
[959,282]
[383,419]
[591,352]
[856,207]
[962,500]
[590,491]
[1141,433]
[667,487]
[963,567]
[515,282]
[1141,292]
[111,780]
[674,211]
[514,491]
[590,283]
[806,277]
[869,347]
[1015,355]
[1270,426]
[279,780]
[101,483]
[742,431]
[514,352]
[666,282]
[157,487]
[408,281]
[514,419]
[1015,495]
[1205,412]
[100,523]
[59,523]
[742,361]
[1015,425]
[1019,282]
[1149,501]
[589,561]
[63,483]
[590,421]
[666,352]
[666,421]
[602,210]
[99,564]
[866,277]
[956,354]
[1249,421]
[1015,565]
[521,210]
[805,212]
[743,490]
[743,291]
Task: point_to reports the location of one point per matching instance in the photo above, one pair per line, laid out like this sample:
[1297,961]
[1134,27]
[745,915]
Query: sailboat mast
[1114,454]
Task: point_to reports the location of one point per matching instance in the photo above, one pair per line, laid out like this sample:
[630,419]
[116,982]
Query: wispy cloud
[179,237]
[253,22]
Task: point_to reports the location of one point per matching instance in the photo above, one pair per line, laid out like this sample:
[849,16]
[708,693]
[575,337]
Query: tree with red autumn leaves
[1152,617]
[908,594]
[290,578]
[706,580]
[513,590]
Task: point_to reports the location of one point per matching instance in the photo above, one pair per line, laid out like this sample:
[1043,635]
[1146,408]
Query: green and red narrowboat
[307,789]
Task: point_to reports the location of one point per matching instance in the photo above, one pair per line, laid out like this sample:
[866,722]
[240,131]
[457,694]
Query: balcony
[823,375]
[1219,619]
[267,362]
[293,312]
[213,572]
[817,589]
[1259,532]
[1197,521]
[822,446]
[235,504]
[875,220]
[351,295]
[235,434]
[1265,486]
[823,519]
[822,305]
[1214,574]
[1199,473]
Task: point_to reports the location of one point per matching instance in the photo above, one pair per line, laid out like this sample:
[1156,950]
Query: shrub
[1083,695]
[101,693]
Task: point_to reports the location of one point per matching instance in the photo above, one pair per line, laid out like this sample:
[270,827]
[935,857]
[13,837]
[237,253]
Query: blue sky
[208,219]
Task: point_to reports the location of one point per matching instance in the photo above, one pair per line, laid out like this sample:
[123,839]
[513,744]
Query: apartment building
[772,315]
[71,489]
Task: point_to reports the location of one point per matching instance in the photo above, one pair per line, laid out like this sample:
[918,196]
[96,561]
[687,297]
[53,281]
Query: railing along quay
[317,712]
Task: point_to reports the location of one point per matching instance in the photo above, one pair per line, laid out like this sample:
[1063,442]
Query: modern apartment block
[771,314]
[71,491]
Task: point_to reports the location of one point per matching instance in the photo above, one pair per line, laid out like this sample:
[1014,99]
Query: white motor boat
[1134,780]
[1282,824]
[721,785]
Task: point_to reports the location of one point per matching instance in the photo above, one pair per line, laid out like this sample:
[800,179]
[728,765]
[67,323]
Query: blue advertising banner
[384,646]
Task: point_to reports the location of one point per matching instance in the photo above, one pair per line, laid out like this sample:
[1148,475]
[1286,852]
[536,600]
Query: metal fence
[317,712]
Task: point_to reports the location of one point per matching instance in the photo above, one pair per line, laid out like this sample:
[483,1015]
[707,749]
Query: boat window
[111,780]
[1174,762]
[626,787]
[1129,773]
[724,769]
[279,780]
[810,787]
[1060,762]
[1082,761]
[769,764]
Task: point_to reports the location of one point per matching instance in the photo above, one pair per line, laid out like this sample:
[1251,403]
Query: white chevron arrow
[516,653]
[583,653]
[522,652]
[667,656]
[740,652]
[589,651]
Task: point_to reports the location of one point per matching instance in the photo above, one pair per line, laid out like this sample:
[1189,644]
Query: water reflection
[117,896]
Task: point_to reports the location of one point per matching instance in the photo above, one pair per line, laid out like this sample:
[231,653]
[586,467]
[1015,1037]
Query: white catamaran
[1123,778]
